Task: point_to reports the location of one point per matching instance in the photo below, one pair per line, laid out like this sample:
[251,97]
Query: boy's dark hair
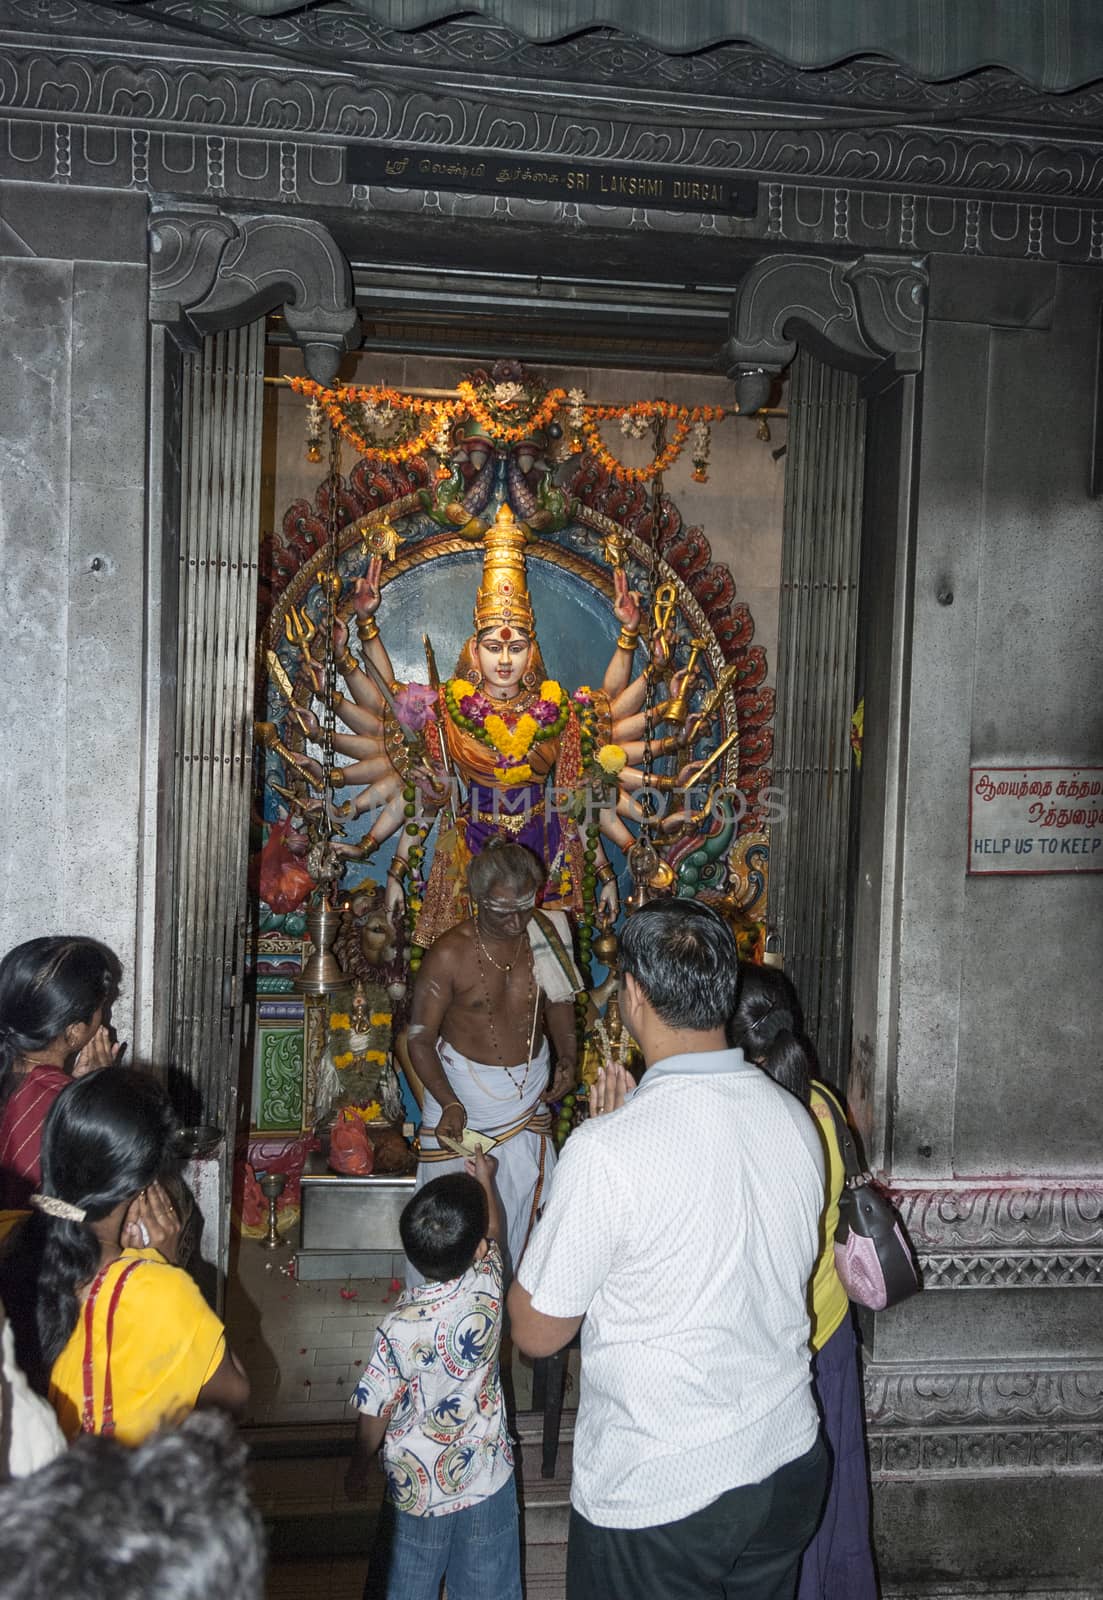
[442,1225]
[683,956]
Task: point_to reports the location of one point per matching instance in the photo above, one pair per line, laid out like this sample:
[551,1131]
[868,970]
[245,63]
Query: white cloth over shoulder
[555,973]
[493,1105]
[685,1227]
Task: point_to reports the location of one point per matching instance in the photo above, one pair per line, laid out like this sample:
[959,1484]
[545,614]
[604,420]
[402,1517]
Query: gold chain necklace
[509,966]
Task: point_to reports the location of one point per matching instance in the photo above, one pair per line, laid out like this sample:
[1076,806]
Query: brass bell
[321,973]
[676,711]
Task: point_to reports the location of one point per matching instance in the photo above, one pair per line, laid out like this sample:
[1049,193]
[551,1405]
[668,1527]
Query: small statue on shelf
[355,1069]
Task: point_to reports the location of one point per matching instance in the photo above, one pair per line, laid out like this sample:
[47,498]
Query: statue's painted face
[504,655]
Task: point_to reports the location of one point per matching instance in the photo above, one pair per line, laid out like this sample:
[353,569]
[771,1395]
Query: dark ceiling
[474,290]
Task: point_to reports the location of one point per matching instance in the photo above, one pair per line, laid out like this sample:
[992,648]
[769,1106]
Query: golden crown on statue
[503,597]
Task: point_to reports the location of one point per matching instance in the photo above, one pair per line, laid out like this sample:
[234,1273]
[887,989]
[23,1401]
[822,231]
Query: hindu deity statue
[494,749]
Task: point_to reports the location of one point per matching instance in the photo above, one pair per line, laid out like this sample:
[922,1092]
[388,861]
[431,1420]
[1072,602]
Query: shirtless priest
[490,995]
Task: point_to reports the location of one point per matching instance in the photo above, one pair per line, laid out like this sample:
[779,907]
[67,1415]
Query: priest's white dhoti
[506,1105]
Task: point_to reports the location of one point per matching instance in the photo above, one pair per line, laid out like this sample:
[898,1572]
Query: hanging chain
[658,428]
[331,598]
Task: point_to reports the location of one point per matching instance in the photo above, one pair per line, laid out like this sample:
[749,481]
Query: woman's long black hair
[768,1026]
[107,1136]
[45,986]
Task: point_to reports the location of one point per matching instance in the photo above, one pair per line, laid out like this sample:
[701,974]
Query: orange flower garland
[334,402]
[666,457]
[514,432]
[682,416]
[439,413]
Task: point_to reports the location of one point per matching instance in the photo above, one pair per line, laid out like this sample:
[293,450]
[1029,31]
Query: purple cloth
[540,834]
[838,1564]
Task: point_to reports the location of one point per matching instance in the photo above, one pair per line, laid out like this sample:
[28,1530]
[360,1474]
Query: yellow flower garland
[516,742]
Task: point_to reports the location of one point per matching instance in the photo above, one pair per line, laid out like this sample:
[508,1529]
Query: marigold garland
[511,433]
[440,414]
[334,402]
[604,456]
[474,713]
[369,1113]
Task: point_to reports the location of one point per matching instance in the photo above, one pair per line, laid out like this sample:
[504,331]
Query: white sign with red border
[1035,819]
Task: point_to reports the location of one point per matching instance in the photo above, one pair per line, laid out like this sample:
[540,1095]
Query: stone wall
[73,414]
[986,1393]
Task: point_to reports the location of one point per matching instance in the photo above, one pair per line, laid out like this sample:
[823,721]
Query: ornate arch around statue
[730,859]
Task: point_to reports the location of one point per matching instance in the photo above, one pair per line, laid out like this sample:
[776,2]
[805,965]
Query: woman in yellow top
[838,1564]
[120,1337]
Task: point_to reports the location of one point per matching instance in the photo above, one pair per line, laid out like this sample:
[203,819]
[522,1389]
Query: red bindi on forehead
[506,634]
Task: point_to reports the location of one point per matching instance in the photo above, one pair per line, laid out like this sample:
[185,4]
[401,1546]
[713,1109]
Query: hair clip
[53,1207]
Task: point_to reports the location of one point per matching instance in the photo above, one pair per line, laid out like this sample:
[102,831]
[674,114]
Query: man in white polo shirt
[684,1228]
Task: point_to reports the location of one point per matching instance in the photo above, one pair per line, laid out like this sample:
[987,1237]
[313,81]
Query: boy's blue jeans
[477,1548]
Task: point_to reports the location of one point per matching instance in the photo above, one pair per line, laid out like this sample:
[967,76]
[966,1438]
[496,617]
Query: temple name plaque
[1035,819]
[585,182]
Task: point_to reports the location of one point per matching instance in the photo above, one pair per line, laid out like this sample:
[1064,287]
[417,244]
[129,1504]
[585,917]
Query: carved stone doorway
[864,319]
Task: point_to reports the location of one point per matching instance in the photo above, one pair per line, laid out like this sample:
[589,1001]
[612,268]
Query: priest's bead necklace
[499,1055]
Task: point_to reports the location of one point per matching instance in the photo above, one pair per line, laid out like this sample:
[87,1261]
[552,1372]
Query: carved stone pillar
[984,1394]
[852,314]
[210,272]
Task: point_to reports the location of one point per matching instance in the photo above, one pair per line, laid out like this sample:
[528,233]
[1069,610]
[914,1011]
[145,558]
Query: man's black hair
[683,956]
[443,1224]
[105,1521]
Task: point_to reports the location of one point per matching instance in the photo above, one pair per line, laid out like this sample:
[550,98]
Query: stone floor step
[547,1586]
[545,1560]
[529,1431]
[546,1522]
[532,1476]
[298,1474]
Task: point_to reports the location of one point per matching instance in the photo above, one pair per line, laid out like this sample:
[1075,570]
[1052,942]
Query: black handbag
[873,1254]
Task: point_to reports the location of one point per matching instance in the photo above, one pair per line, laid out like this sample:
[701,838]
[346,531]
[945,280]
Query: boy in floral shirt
[430,1396]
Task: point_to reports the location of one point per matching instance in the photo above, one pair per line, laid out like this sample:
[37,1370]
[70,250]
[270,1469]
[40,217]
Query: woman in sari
[54,997]
[838,1564]
[105,1322]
